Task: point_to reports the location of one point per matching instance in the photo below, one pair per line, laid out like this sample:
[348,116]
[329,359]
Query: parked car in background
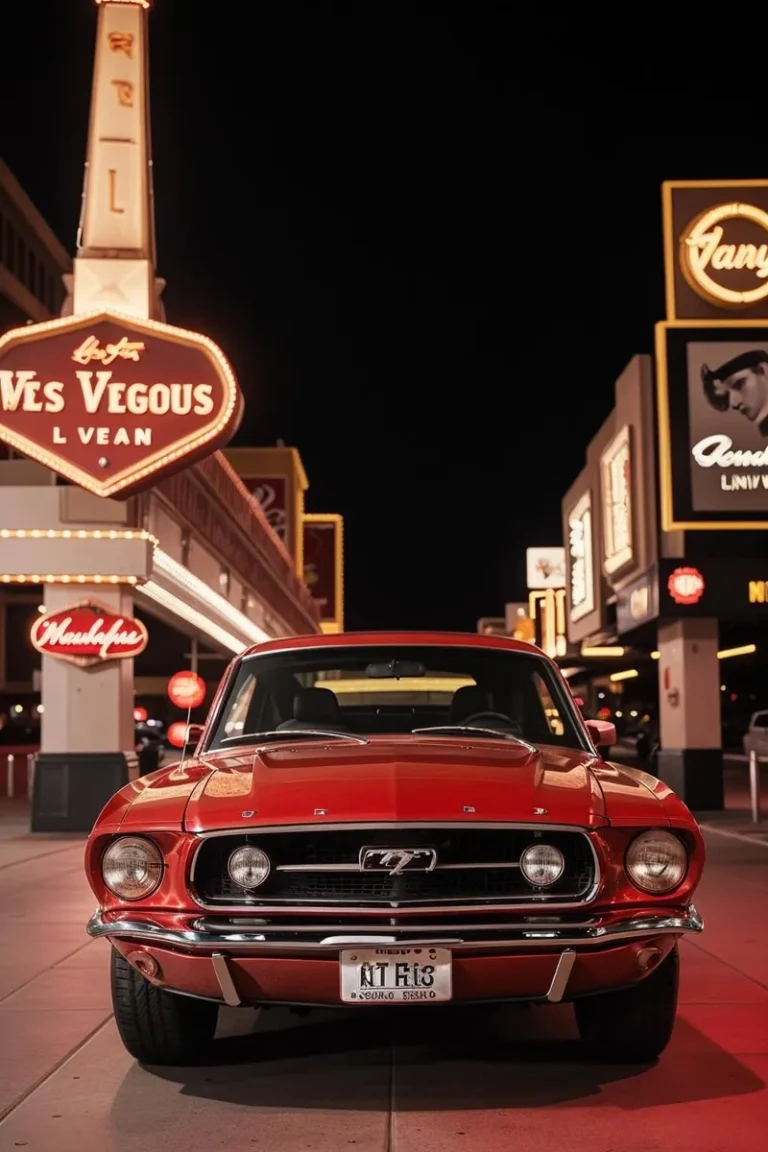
[756,736]
[394,819]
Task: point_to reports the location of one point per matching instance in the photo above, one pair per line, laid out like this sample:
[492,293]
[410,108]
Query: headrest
[316,706]
[470,700]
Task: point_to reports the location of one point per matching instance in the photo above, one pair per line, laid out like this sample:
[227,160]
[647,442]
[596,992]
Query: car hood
[393,781]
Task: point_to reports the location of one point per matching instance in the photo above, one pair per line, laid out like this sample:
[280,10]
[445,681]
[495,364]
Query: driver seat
[468,701]
[315,708]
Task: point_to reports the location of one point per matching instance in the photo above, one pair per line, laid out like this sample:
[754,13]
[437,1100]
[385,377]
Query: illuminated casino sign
[724,254]
[716,249]
[87,634]
[324,566]
[686,585]
[638,602]
[186,690]
[616,485]
[730,588]
[177,733]
[712,393]
[581,570]
[272,493]
[545,568]
[113,403]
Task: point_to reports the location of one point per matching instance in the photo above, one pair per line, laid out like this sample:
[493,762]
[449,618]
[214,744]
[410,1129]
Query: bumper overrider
[239,961]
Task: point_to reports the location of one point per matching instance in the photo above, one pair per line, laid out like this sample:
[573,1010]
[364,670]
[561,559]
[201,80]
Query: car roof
[365,639]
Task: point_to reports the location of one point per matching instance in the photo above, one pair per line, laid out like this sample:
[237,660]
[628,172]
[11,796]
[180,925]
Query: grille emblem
[397,860]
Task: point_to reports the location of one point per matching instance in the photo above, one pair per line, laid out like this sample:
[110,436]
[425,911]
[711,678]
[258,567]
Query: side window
[553,719]
[233,723]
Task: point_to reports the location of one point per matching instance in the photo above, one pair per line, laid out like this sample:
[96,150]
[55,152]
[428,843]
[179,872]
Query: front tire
[159,1027]
[635,1025]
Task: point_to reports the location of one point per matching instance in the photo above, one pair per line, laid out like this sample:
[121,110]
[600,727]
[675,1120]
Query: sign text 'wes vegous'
[101,393]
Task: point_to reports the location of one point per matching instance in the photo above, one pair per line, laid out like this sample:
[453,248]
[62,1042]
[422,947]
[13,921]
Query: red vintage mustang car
[387,818]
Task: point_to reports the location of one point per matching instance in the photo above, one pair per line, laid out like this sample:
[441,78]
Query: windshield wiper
[298,734]
[461,729]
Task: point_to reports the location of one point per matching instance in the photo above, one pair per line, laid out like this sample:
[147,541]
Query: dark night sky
[427,273]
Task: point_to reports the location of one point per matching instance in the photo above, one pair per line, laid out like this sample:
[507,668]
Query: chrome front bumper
[205,934]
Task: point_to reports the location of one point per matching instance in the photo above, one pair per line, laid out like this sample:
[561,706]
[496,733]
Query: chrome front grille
[321,867]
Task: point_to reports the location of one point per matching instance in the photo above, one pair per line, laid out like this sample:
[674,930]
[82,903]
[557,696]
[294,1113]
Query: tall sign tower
[115,264]
[113,399]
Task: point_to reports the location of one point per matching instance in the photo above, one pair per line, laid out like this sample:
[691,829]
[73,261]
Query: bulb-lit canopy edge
[136,3]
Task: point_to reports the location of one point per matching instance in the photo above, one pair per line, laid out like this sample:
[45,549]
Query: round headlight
[132,867]
[248,867]
[656,862]
[542,865]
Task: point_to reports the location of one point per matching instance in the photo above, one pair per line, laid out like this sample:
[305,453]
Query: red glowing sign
[87,634]
[186,690]
[140,715]
[177,734]
[686,585]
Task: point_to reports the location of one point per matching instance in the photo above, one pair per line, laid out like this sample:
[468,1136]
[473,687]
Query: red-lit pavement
[506,1080]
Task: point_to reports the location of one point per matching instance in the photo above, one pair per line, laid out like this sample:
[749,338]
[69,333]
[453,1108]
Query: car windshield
[367,691]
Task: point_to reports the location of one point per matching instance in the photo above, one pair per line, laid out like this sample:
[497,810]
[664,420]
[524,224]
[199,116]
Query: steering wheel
[507,722]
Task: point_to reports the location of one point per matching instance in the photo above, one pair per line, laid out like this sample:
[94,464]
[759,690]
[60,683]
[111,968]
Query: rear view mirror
[395,670]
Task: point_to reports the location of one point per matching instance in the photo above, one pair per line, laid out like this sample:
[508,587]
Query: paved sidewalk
[737,820]
[417,1082]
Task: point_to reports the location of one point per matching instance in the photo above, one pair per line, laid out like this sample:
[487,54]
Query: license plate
[395,975]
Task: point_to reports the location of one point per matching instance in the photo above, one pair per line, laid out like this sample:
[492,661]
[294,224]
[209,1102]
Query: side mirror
[602,732]
[194,735]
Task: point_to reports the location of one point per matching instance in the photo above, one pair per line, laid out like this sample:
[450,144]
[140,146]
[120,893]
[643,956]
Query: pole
[754,786]
[10,765]
[193,656]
